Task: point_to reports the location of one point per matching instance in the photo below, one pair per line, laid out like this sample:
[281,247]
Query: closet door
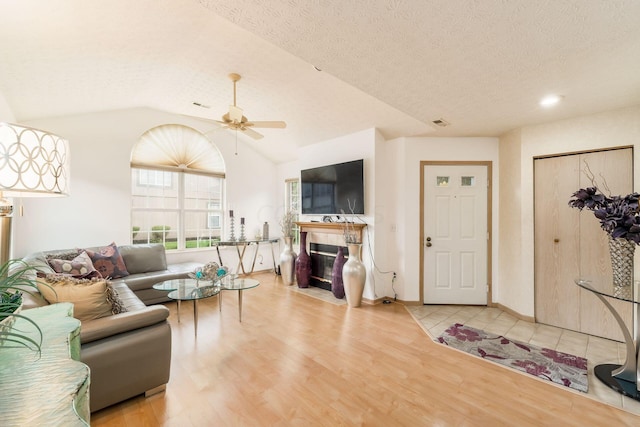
[557,298]
[570,244]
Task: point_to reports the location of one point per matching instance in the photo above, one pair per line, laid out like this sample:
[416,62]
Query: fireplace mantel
[330,233]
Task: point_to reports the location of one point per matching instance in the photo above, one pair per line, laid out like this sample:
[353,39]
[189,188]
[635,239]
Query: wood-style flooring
[298,361]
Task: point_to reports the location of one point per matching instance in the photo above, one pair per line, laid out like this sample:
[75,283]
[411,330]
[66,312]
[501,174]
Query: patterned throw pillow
[91,298]
[81,265]
[109,262]
[65,255]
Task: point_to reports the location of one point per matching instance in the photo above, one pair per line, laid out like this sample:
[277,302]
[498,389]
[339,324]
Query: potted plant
[15,279]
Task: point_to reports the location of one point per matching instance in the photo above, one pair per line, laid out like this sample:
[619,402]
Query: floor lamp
[33,163]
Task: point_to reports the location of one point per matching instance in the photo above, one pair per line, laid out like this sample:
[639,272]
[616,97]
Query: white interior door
[455,234]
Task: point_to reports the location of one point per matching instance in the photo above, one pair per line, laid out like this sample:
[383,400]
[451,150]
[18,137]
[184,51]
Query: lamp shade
[33,163]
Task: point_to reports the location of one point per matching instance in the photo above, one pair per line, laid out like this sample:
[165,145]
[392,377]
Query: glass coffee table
[230,283]
[189,290]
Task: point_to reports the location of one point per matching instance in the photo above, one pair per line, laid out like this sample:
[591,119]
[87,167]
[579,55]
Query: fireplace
[322,259]
[323,239]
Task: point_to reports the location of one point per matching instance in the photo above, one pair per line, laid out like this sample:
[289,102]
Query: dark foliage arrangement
[618,215]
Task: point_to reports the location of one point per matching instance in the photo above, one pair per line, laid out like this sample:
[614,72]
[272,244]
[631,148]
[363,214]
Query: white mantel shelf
[330,233]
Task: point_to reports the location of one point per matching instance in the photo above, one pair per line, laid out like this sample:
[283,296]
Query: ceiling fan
[235,119]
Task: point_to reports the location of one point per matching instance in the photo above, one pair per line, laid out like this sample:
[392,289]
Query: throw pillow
[91,298]
[67,255]
[81,265]
[108,261]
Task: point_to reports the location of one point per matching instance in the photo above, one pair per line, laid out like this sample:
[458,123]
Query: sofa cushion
[137,316]
[38,260]
[91,298]
[81,265]
[144,258]
[108,261]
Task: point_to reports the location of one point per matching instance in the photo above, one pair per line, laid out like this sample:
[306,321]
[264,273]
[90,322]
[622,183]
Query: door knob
[429,244]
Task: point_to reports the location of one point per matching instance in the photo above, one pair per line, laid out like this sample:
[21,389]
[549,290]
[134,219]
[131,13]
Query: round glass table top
[188,289]
[604,286]
[237,284]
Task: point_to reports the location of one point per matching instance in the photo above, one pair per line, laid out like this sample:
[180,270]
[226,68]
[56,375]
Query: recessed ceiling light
[550,100]
[197,104]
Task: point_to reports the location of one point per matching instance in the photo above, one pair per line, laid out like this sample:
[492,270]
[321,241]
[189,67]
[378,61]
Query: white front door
[455,234]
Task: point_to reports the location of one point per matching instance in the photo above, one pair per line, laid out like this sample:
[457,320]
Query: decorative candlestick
[232,234]
[242,236]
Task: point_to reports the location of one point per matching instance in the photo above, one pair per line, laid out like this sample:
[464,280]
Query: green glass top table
[50,388]
[189,290]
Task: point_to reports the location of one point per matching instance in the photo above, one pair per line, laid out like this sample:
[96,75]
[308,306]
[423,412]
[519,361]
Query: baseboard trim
[504,308]
[155,390]
[530,319]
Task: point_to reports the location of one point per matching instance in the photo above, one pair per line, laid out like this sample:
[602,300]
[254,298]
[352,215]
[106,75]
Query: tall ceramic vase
[287,262]
[621,251]
[337,285]
[303,263]
[353,276]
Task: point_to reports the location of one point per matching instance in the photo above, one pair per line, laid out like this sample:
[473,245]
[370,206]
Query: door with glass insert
[455,241]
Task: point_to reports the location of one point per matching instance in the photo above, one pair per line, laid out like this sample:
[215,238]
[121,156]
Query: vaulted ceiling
[397,65]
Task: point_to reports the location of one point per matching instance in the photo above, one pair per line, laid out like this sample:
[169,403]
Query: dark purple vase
[303,263]
[337,286]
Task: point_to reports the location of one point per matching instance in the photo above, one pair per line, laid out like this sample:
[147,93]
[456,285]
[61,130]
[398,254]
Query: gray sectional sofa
[128,353]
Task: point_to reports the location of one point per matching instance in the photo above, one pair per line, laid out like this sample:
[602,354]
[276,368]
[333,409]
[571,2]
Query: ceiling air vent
[441,122]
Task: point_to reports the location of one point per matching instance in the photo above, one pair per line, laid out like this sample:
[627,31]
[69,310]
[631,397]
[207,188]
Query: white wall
[359,145]
[413,151]
[593,132]
[6,115]
[98,209]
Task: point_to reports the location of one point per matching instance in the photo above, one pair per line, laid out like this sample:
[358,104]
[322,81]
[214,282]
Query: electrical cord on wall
[375,267]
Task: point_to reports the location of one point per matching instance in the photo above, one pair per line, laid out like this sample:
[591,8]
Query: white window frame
[180,210]
[292,199]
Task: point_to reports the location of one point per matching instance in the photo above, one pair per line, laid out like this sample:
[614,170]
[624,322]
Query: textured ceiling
[396,65]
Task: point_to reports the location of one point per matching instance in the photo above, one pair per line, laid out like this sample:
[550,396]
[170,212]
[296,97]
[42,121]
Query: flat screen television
[333,189]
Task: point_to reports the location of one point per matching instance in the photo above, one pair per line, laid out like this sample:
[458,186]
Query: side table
[625,378]
[50,389]
[241,247]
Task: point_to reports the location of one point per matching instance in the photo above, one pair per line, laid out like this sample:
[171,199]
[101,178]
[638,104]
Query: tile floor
[434,319]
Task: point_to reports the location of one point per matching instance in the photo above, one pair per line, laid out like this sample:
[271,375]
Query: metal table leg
[219,257]
[255,255]
[240,257]
[273,257]
[195,316]
[240,305]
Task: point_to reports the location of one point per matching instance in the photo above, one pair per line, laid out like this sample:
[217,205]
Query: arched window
[177,188]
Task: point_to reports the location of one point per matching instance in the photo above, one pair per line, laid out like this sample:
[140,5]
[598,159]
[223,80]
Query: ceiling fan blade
[235,114]
[273,124]
[252,133]
[215,130]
